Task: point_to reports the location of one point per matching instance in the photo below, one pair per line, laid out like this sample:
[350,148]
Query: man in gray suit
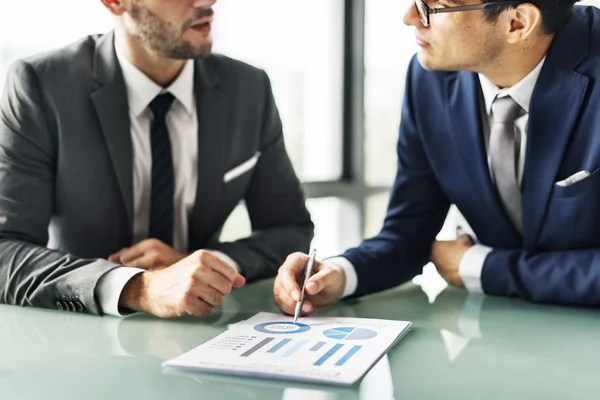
[121,157]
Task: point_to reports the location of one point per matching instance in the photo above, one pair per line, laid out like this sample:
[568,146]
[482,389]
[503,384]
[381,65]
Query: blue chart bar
[257,347]
[349,354]
[327,355]
[317,346]
[279,345]
[295,348]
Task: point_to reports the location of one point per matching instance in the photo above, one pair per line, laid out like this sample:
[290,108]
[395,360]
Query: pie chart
[350,333]
[282,328]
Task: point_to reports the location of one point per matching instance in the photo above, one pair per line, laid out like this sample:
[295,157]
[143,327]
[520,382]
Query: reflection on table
[460,346]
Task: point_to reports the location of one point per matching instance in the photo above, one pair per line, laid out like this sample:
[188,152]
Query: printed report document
[315,349]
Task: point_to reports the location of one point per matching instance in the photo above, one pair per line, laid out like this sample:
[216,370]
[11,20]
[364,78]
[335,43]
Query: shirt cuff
[349,270]
[226,259]
[471,265]
[110,287]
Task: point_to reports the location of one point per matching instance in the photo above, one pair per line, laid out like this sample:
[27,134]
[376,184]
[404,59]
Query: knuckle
[202,269]
[197,255]
[191,284]
[292,258]
[189,300]
[155,257]
[201,254]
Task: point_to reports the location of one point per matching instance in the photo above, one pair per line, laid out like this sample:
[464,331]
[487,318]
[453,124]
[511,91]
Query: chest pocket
[573,216]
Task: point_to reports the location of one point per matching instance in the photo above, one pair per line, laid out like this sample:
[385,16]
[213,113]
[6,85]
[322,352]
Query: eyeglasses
[425,11]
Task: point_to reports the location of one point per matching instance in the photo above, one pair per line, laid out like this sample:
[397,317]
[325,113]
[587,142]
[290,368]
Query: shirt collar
[141,90]
[521,92]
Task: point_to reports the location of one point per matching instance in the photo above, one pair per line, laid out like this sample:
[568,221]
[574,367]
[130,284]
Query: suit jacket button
[78,306]
[59,305]
[71,306]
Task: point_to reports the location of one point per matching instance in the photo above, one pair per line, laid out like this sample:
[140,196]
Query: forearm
[382,263]
[569,277]
[35,276]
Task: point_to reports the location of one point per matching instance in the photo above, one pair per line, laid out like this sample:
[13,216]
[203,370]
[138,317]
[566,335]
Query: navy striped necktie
[163,174]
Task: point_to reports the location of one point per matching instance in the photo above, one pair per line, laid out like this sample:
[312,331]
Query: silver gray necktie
[503,152]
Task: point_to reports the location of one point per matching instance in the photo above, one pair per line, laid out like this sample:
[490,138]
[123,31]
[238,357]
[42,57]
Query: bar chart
[322,351]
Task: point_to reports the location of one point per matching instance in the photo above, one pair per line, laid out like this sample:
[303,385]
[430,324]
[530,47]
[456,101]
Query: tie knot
[505,110]
[161,104]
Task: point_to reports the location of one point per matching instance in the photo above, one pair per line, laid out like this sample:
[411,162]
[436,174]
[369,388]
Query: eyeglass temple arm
[471,7]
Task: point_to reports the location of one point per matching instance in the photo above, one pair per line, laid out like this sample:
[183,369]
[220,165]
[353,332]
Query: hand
[324,287]
[147,254]
[446,255]
[193,286]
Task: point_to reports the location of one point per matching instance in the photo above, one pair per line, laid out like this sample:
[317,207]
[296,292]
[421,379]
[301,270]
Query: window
[389,46]
[300,45]
[337,225]
[34,26]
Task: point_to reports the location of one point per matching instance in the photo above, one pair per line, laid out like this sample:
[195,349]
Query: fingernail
[311,287]
[306,307]
[296,295]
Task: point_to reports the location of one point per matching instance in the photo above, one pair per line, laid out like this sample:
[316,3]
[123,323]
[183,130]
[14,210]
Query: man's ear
[525,21]
[116,7]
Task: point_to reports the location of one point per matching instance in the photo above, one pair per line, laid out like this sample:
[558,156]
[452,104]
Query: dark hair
[555,13]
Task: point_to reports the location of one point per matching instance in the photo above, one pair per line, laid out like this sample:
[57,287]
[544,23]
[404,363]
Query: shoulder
[230,69]
[65,59]
[69,65]
[589,17]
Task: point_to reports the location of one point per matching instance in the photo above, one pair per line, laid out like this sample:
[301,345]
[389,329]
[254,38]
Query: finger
[134,252]
[146,261]
[197,307]
[290,271]
[321,280]
[209,294]
[283,300]
[307,308]
[239,281]
[116,257]
[218,265]
[213,279]
[466,239]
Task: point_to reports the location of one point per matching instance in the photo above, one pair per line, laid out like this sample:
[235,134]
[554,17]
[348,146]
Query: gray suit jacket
[66,185]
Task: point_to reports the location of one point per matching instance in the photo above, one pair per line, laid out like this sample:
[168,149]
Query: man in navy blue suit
[501,117]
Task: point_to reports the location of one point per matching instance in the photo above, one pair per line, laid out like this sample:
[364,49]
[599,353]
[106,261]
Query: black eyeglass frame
[472,7]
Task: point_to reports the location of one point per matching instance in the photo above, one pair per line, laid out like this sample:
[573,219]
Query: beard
[164,38]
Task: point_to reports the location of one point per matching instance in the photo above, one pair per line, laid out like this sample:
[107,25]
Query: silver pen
[309,268]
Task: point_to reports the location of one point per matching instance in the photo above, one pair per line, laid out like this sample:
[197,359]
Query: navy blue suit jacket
[442,161]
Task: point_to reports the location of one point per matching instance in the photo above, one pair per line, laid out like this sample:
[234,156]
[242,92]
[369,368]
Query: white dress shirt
[472,262]
[182,123]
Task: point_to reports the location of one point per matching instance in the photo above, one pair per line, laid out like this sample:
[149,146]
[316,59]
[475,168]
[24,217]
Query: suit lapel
[555,105]
[110,101]
[463,95]
[212,108]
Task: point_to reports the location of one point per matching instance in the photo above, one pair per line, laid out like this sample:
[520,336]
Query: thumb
[320,281]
